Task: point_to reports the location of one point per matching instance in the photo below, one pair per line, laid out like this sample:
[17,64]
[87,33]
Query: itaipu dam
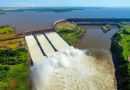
[42,43]
[59,66]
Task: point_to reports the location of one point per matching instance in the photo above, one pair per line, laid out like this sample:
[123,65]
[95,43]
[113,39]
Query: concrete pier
[57,41]
[48,49]
[34,49]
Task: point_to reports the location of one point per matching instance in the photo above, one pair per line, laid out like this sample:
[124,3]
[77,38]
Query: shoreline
[63,20]
[80,39]
[120,61]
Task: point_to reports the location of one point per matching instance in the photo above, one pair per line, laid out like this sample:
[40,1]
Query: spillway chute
[44,45]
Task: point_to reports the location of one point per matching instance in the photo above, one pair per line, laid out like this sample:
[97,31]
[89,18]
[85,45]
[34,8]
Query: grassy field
[7,36]
[121,48]
[6,29]
[13,44]
[70,32]
[14,69]
[4,37]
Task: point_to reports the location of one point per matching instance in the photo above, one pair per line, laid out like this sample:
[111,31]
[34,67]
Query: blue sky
[96,3]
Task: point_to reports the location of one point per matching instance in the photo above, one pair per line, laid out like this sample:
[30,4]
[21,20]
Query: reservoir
[34,20]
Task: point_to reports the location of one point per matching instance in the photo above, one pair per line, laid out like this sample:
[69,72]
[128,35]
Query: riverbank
[14,69]
[120,46]
[70,32]
[121,52]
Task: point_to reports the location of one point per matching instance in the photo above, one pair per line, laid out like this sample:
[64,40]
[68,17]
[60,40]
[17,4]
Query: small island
[106,28]
[13,60]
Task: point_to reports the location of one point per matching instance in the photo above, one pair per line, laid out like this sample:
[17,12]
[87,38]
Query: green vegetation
[2,13]
[121,48]
[13,44]
[13,57]
[70,32]
[4,37]
[6,29]
[106,28]
[14,77]
[127,27]
[13,62]
[124,70]
[122,43]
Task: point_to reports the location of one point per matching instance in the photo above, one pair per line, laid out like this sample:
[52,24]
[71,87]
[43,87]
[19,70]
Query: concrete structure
[46,46]
[98,19]
[43,45]
[57,41]
[94,21]
[35,51]
[46,30]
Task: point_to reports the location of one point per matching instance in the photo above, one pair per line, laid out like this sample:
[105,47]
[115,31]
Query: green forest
[14,69]
[121,48]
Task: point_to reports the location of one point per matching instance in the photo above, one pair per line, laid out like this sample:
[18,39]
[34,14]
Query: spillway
[43,45]
[57,41]
[34,49]
[68,68]
[46,46]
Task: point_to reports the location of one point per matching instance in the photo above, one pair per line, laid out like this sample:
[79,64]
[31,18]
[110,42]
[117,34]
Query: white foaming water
[72,69]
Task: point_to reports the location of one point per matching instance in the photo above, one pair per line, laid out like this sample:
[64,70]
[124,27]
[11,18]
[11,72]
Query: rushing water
[73,69]
[32,20]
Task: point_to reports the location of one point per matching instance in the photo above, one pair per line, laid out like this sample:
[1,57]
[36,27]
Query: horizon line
[68,6]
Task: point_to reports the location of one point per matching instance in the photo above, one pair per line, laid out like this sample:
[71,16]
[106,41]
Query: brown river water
[88,68]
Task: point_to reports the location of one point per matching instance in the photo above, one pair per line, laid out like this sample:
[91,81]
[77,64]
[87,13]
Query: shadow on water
[116,64]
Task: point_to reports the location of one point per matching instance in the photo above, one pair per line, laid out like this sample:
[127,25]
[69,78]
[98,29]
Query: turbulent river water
[88,68]
[74,69]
